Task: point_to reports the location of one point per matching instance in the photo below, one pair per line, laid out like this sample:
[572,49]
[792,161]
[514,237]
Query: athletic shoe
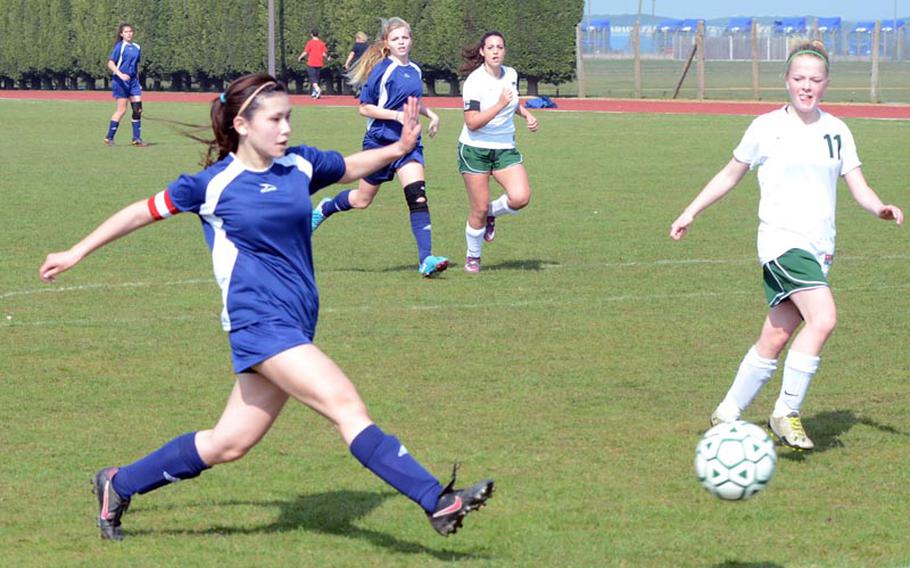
[454,504]
[433,265]
[137,142]
[489,229]
[789,430]
[472,264]
[318,216]
[109,142]
[111,506]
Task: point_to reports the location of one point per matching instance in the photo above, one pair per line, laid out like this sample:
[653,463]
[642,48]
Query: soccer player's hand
[410,126]
[680,226]
[434,125]
[55,263]
[533,125]
[891,213]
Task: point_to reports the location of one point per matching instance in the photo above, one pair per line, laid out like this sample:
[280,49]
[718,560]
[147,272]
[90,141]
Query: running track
[899,112]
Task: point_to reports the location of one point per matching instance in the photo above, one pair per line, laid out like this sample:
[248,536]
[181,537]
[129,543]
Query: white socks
[500,206]
[474,238]
[798,372]
[754,372]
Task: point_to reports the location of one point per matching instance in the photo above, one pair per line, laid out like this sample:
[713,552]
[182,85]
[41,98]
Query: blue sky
[709,9]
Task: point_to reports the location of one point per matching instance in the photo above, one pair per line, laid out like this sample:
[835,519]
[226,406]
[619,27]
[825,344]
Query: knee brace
[416,196]
[137,110]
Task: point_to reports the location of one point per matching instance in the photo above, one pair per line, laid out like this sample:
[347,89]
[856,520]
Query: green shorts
[791,272]
[474,160]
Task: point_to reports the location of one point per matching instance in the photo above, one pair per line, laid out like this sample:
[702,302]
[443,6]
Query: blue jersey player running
[124,64]
[254,202]
[387,79]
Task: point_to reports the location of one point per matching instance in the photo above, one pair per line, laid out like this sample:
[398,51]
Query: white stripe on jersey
[224,252]
[122,49]
[297,160]
[383,91]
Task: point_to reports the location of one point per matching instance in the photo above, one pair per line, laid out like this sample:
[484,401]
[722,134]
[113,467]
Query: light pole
[271,41]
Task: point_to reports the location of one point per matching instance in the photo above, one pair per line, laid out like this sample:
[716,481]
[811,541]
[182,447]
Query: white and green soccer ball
[735,460]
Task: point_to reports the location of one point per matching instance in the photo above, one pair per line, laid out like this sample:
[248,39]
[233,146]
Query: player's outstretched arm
[364,163]
[868,199]
[725,180]
[122,223]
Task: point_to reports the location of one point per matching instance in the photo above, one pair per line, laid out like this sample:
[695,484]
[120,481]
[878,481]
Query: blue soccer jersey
[257,225]
[389,86]
[126,57]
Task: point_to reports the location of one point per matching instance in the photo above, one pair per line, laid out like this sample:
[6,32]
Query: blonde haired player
[800,151]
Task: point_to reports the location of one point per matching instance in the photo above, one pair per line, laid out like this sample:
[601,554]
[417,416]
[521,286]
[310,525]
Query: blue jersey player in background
[387,78]
[254,204]
[124,64]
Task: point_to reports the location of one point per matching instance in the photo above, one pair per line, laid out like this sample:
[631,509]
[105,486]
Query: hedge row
[200,44]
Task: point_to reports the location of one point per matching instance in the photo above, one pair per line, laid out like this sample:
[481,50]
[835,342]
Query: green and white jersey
[480,92]
[798,167]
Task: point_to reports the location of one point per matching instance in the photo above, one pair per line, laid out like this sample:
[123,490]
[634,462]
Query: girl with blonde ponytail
[387,78]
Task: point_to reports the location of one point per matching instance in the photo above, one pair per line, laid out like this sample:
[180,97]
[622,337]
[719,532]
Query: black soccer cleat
[454,504]
[111,505]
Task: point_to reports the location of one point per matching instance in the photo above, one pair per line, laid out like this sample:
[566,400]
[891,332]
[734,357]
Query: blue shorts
[255,343]
[121,89]
[388,173]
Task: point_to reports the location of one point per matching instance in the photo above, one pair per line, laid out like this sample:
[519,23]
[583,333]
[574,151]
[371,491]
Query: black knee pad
[137,109]
[416,196]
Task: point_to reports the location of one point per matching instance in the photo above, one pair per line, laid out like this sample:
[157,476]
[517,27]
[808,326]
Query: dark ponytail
[120,29]
[242,97]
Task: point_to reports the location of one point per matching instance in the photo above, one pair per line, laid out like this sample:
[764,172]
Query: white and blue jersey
[126,57]
[389,86]
[257,226]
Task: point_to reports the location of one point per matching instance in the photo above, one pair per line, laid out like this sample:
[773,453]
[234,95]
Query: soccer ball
[735,460]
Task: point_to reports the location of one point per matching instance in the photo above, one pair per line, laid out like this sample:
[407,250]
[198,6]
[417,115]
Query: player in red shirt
[316,54]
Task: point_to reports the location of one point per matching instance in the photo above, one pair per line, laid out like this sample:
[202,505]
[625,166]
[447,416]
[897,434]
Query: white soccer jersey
[798,167]
[481,91]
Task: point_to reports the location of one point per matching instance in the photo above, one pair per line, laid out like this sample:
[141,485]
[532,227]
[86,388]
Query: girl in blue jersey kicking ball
[387,78]
[254,204]
[124,64]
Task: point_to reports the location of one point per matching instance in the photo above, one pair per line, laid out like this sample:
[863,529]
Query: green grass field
[578,369]
[732,80]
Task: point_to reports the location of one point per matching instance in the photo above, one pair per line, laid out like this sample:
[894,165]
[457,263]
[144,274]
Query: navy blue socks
[420,227]
[174,461]
[137,130]
[112,129]
[385,456]
[339,203]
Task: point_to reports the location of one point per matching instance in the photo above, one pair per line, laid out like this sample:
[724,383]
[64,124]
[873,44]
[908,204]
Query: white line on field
[49,289]
[491,305]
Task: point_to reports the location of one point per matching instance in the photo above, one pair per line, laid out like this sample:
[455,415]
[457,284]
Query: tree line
[202,44]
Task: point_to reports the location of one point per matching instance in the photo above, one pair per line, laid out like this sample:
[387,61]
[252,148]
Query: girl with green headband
[799,151]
